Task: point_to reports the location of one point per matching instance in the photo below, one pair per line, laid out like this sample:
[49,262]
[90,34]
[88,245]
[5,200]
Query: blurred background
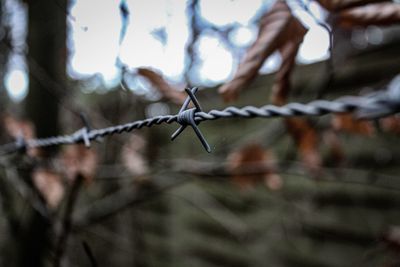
[316,192]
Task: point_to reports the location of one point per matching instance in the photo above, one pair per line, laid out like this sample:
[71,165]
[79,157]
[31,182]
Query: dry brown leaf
[50,186]
[278,27]
[167,91]
[347,123]
[336,152]
[390,124]
[302,132]
[16,128]
[79,160]
[279,30]
[336,5]
[273,181]
[288,51]
[306,139]
[392,237]
[304,135]
[251,165]
[132,157]
[372,14]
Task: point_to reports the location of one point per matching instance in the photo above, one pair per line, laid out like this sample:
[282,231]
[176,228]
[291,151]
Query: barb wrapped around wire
[372,106]
[187,117]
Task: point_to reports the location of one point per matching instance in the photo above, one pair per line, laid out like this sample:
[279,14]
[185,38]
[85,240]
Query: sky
[156,37]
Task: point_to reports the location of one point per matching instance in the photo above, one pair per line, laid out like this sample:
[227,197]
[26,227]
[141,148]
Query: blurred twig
[89,253]
[121,200]
[61,244]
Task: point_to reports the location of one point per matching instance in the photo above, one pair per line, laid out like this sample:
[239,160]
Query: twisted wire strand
[95,134]
[314,108]
[376,105]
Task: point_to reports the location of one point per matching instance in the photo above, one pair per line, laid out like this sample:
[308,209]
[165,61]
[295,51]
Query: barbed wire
[371,106]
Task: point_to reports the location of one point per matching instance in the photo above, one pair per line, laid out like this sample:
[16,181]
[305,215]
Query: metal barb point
[85,130]
[20,143]
[186,117]
[376,105]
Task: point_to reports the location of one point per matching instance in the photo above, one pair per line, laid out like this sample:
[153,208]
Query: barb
[187,117]
[85,130]
[373,106]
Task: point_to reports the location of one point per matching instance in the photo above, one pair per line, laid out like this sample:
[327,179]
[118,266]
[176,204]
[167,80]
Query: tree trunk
[4,52]
[46,59]
[47,63]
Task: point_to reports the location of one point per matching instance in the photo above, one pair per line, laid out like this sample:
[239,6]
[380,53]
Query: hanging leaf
[390,124]
[251,165]
[79,160]
[306,139]
[288,51]
[132,157]
[347,123]
[336,154]
[304,135]
[50,186]
[15,128]
[168,91]
[336,5]
[372,14]
[279,29]
[391,237]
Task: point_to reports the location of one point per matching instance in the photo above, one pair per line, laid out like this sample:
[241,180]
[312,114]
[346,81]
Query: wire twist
[372,106]
[187,117]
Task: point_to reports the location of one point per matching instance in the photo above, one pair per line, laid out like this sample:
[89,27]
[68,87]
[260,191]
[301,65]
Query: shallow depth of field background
[259,199]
